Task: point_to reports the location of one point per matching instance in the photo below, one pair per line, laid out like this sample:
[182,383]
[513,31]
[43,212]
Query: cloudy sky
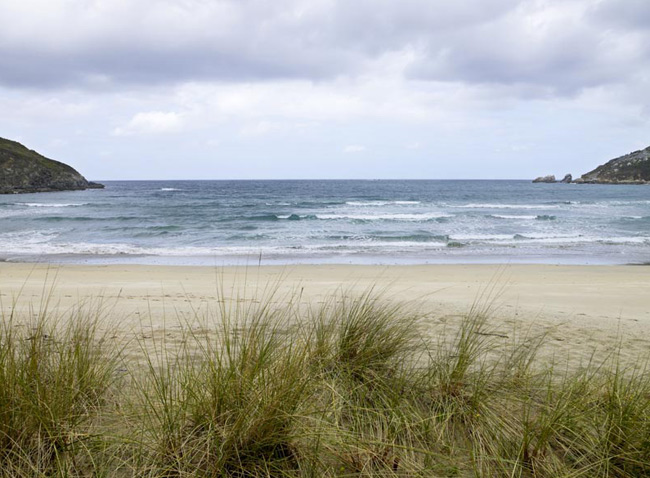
[210,89]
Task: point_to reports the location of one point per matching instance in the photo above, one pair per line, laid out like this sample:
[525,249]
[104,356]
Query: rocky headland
[25,171]
[633,168]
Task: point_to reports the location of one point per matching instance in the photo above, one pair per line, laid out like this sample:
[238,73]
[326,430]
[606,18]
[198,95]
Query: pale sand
[582,308]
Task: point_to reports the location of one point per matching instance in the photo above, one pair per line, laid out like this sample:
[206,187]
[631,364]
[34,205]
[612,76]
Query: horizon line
[325,179]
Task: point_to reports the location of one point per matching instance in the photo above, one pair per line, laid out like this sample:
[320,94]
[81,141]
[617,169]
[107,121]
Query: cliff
[633,168]
[25,171]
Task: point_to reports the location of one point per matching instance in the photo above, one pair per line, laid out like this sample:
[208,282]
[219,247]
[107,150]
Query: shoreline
[257,260]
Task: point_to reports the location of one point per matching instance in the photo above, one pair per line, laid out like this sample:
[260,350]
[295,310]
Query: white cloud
[354,148]
[553,47]
[153,122]
[291,81]
[558,44]
[261,128]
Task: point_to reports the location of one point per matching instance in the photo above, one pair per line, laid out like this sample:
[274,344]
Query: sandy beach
[582,309]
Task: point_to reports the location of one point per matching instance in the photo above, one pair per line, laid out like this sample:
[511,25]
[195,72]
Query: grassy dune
[347,388]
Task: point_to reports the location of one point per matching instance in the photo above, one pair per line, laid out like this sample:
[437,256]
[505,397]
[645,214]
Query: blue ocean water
[368,222]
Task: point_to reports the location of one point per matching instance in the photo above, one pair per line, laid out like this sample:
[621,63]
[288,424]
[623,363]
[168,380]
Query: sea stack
[545,179]
[25,171]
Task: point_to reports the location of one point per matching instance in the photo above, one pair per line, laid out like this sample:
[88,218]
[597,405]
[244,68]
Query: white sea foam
[536,238]
[507,206]
[32,209]
[43,245]
[170,189]
[480,237]
[36,243]
[381,203]
[27,242]
[627,203]
[39,204]
[48,247]
[506,216]
[587,240]
[386,217]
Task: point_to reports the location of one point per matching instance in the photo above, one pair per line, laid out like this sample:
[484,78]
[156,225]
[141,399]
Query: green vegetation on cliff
[25,171]
[633,168]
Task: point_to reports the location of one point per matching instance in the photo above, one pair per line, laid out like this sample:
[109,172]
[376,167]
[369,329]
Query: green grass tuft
[54,380]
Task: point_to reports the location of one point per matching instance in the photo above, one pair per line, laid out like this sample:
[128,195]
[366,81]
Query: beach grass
[354,386]
[55,379]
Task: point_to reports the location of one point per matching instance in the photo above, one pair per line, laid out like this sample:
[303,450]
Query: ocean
[358,222]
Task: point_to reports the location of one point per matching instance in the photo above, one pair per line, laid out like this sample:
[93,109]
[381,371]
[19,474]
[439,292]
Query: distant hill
[633,168]
[25,171]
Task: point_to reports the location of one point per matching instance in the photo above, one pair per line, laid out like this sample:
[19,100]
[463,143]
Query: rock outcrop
[545,179]
[633,168]
[551,179]
[25,171]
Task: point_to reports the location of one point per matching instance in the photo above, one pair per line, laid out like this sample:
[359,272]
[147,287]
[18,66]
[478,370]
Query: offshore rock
[633,168]
[545,179]
[567,179]
[25,171]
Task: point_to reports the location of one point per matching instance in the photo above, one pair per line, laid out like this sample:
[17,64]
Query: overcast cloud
[326,88]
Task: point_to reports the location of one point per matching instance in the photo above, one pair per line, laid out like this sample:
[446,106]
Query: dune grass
[54,381]
[352,388]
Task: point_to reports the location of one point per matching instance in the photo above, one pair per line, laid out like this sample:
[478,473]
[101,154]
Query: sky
[326,89]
